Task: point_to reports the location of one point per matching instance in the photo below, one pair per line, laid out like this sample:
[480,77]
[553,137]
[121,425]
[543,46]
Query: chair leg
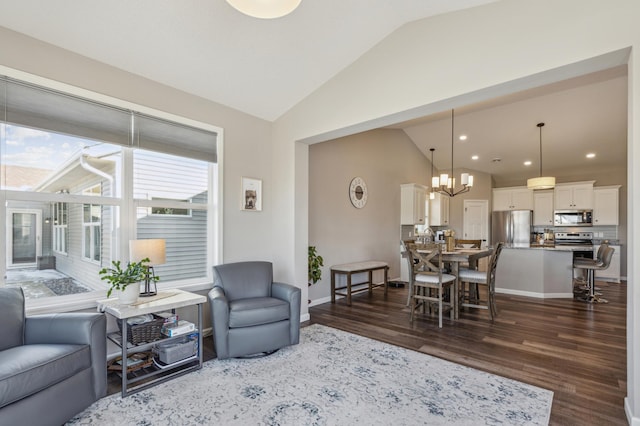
[440,307]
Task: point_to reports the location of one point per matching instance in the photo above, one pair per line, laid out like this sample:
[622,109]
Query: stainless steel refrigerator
[513,227]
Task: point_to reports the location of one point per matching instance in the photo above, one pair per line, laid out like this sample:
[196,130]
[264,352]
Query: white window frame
[214,206]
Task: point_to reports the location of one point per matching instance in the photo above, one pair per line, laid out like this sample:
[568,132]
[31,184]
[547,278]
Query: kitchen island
[543,272]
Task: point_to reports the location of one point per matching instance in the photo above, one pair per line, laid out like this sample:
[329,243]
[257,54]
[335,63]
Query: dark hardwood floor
[575,349]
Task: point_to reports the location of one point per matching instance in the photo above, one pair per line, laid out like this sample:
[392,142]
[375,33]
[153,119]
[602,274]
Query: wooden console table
[349,269]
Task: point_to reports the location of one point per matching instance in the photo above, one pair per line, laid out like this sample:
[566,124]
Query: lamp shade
[542,182]
[265,9]
[154,250]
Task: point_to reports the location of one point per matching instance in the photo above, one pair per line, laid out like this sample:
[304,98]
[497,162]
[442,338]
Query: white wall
[247,140]
[459,58]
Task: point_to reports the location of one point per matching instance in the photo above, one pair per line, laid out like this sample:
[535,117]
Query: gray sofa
[51,366]
[251,314]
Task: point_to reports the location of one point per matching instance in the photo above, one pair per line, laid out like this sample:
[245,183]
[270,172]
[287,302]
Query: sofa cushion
[12,308]
[27,369]
[256,311]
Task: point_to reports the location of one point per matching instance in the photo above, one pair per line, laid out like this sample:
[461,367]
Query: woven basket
[144,333]
[145,358]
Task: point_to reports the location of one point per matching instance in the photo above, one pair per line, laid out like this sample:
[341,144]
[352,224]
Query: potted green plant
[315,263]
[121,279]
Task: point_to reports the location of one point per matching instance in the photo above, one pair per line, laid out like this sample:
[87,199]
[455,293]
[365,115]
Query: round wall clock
[358,192]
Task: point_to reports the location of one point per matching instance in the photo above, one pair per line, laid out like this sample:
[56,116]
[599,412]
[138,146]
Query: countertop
[549,247]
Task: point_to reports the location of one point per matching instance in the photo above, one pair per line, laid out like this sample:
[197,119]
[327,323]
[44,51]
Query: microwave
[573,218]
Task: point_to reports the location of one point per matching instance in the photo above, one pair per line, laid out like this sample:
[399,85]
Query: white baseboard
[633,421]
[322,300]
[305,317]
[535,294]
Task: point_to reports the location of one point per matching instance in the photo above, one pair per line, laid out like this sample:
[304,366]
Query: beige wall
[480,53]
[247,140]
[385,159]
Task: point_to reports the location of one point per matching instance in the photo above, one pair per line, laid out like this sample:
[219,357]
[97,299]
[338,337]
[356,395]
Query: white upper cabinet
[412,204]
[543,208]
[605,205]
[439,210]
[574,196]
[513,198]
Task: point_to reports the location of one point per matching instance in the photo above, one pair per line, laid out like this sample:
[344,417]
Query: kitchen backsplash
[599,232]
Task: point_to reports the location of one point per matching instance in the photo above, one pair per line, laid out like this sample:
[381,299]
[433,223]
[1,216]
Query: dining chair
[430,282]
[460,243]
[406,254]
[471,279]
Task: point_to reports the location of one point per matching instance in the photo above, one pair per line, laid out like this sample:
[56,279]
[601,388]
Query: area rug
[331,378]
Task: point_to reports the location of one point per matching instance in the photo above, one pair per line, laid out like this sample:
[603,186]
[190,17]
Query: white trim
[535,294]
[633,421]
[305,317]
[323,300]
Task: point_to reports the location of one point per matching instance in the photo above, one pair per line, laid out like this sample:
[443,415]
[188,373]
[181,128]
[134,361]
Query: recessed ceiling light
[527,163]
[463,137]
[591,155]
[474,157]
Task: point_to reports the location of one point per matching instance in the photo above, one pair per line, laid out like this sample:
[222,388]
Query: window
[91,232]
[59,229]
[102,175]
[169,211]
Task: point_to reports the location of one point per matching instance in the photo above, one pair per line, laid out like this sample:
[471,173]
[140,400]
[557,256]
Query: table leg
[123,342]
[386,280]
[348,288]
[370,282]
[333,286]
[455,266]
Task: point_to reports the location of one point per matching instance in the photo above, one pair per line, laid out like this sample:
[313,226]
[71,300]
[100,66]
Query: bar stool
[586,261]
[590,269]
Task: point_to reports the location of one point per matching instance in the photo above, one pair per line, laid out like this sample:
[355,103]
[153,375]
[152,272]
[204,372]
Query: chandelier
[265,9]
[446,184]
[542,182]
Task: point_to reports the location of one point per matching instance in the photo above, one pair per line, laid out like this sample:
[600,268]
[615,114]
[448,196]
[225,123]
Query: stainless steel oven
[580,243]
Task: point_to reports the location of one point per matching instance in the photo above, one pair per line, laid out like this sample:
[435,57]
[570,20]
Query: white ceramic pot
[130,294]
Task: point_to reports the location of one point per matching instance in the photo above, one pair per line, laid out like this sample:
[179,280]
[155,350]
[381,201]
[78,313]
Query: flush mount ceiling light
[447,185]
[265,9]
[542,182]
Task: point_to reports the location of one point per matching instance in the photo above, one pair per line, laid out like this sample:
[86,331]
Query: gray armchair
[51,366]
[251,314]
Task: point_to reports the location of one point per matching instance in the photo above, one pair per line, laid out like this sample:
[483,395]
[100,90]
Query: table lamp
[155,251]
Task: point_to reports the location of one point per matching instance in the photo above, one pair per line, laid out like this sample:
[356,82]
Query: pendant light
[542,182]
[447,185]
[265,9]
[434,179]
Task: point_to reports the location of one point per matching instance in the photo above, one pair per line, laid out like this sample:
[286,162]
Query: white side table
[163,301]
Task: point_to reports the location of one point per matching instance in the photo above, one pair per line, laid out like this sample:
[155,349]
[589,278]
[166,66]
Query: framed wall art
[251,194]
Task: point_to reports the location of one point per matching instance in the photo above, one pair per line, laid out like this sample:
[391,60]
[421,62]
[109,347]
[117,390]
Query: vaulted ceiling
[265,67]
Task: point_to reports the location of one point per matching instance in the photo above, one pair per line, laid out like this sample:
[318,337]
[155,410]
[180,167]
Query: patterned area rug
[331,378]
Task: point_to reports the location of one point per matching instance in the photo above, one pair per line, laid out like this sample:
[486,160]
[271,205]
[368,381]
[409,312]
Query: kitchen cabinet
[543,208]
[574,196]
[605,205]
[513,198]
[612,273]
[413,198]
[439,210]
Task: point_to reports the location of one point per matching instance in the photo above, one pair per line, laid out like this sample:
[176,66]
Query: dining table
[462,255]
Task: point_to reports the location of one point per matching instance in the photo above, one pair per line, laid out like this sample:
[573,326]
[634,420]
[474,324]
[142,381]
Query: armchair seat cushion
[256,311]
[28,369]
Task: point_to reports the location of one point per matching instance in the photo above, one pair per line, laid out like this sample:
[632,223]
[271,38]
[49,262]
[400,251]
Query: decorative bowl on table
[467,246]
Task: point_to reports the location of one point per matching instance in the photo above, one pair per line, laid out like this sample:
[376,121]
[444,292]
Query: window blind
[41,108]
